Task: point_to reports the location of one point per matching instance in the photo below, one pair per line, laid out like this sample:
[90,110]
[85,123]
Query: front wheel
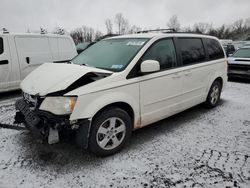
[110,131]
[213,96]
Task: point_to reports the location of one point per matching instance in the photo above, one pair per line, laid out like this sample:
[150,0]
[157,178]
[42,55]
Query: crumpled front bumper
[40,122]
[28,117]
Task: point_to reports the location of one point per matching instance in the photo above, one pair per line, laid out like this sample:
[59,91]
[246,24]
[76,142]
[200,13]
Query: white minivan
[120,84]
[22,53]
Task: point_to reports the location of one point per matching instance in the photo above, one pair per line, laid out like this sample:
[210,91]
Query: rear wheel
[110,131]
[213,96]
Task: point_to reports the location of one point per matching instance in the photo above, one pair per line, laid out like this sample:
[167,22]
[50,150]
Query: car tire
[213,96]
[110,131]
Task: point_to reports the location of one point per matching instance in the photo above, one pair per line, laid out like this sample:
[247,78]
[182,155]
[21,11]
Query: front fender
[88,105]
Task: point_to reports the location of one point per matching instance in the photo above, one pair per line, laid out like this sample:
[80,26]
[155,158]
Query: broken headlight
[58,105]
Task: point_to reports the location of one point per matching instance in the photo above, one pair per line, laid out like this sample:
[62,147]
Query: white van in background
[22,53]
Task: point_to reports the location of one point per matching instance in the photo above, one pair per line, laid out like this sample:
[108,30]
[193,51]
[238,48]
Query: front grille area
[239,67]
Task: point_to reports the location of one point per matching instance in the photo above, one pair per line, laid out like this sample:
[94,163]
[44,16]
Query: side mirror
[150,66]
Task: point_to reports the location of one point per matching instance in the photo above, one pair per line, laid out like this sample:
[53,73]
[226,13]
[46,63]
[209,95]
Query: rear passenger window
[162,51]
[192,50]
[1,45]
[214,49]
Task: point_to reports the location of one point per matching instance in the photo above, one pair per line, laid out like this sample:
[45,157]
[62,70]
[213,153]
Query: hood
[238,60]
[49,78]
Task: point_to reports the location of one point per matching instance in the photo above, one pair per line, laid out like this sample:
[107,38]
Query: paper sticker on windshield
[134,43]
[116,66]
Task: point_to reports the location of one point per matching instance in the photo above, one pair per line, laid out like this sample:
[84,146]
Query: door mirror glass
[148,66]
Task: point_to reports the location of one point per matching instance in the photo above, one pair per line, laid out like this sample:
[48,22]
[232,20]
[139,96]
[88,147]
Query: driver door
[160,92]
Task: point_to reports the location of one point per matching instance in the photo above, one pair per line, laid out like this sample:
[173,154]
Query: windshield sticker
[133,43]
[116,66]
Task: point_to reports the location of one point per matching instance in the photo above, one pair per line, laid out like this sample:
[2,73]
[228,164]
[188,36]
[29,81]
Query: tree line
[238,30]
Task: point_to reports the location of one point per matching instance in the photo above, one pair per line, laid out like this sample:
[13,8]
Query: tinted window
[162,51]
[1,45]
[214,49]
[192,50]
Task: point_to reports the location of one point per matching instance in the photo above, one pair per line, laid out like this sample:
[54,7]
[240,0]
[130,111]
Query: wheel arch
[216,78]
[122,105]
[219,79]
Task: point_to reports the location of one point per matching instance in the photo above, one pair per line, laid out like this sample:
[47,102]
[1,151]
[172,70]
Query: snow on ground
[196,148]
[7,112]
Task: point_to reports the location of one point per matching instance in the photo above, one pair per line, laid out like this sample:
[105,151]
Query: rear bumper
[39,122]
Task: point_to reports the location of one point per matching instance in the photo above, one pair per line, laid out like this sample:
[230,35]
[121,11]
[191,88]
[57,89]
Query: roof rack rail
[162,30]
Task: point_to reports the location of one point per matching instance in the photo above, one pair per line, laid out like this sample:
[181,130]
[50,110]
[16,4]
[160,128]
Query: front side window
[162,51]
[242,52]
[192,50]
[1,45]
[111,54]
[214,49]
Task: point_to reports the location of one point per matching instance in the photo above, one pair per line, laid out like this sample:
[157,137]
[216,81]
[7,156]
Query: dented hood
[50,77]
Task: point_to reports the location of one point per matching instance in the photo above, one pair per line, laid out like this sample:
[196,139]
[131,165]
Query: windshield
[111,54]
[243,52]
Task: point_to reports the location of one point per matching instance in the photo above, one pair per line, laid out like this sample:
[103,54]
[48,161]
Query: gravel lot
[196,148]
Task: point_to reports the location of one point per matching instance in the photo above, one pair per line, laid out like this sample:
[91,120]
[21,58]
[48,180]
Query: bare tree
[202,27]
[109,26]
[134,29]
[98,35]
[77,35]
[121,23]
[88,34]
[247,22]
[238,25]
[174,23]
[239,30]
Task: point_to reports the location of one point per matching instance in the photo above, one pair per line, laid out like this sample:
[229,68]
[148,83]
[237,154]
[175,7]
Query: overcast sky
[20,15]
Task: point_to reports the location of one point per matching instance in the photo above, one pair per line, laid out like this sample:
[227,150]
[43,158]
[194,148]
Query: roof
[154,34]
[33,34]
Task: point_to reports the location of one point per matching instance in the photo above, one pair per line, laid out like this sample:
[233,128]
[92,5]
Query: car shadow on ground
[65,155]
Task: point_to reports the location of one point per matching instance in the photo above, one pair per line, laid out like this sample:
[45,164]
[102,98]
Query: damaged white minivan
[121,84]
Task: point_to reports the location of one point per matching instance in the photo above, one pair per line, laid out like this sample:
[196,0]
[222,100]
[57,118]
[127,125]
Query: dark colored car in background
[239,63]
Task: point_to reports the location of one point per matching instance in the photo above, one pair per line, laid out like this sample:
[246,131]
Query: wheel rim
[215,94]
[111,133]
